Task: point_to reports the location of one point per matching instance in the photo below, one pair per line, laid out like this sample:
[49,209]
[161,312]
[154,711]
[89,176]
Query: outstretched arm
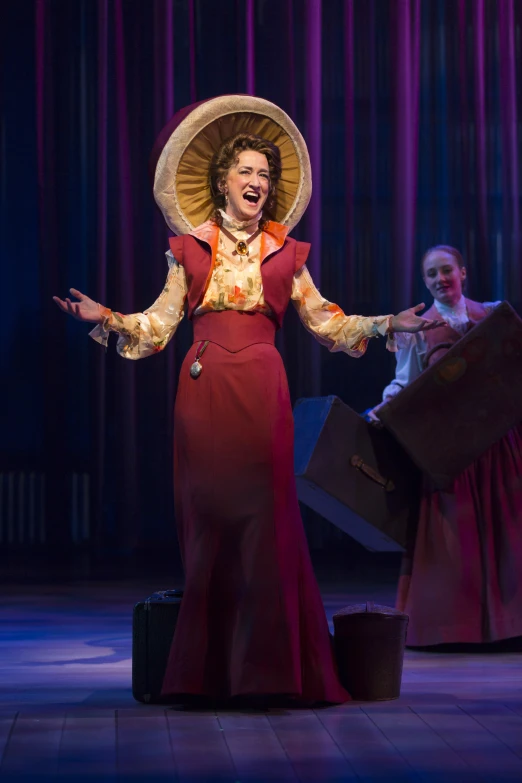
[139,334]
[348,333]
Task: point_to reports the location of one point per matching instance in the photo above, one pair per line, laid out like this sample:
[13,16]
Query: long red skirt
[462,579]
[252,619]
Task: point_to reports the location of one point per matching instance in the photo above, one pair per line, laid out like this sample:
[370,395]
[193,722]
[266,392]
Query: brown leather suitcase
[353,474]
[464,402]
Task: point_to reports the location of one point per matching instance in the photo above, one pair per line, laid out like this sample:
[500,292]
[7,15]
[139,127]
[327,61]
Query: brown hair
[452,251]
[227,155]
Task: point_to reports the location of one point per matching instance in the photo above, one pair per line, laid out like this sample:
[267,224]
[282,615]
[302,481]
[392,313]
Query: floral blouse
[236,284]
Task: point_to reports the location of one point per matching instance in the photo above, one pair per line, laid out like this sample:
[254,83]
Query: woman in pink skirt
[232,177]
[461,580]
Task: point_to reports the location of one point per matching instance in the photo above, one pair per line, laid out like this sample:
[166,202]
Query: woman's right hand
[85,309]
[373,414]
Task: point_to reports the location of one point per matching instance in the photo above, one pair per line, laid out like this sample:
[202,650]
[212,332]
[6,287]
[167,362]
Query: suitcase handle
[438,347]
[359,464]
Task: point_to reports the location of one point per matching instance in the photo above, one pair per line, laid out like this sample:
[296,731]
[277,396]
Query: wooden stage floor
[67,712]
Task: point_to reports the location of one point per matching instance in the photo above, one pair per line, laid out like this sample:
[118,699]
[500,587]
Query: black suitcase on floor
[153,624]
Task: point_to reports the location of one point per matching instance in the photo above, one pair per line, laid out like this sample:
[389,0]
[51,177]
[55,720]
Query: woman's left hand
[409,321]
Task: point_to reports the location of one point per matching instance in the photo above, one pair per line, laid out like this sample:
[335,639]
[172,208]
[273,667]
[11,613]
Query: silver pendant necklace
[196,367]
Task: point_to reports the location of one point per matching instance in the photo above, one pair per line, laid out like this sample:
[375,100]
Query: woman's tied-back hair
[452,251]
[227,156]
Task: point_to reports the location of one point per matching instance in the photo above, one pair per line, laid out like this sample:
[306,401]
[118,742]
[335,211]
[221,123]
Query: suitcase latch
[359,464]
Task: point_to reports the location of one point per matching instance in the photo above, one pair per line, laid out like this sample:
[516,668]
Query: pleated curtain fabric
[410,111]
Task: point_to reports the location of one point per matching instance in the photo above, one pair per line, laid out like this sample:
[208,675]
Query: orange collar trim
[272,239]
[208,232]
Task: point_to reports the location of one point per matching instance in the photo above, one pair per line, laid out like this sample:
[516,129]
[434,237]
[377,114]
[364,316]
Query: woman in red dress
[460,581]
[232,176]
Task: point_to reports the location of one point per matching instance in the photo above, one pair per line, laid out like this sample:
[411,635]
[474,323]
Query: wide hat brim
[181,158]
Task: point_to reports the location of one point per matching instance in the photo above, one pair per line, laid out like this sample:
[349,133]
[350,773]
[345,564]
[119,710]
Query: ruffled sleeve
[411,350]
[329,325]
[143,334]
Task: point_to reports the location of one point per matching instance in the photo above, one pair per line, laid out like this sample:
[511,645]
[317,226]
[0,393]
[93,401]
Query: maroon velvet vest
[444,336]
[281,258]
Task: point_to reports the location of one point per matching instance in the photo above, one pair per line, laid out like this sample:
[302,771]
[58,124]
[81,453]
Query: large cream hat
[181,158]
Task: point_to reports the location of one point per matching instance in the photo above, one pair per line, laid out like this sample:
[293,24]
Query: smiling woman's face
[443,277]
[247,185]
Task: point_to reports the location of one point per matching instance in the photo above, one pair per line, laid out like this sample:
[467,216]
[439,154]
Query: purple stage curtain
[410,110]
[406,45]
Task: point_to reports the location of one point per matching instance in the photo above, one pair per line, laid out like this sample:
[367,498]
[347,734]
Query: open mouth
[252,198]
